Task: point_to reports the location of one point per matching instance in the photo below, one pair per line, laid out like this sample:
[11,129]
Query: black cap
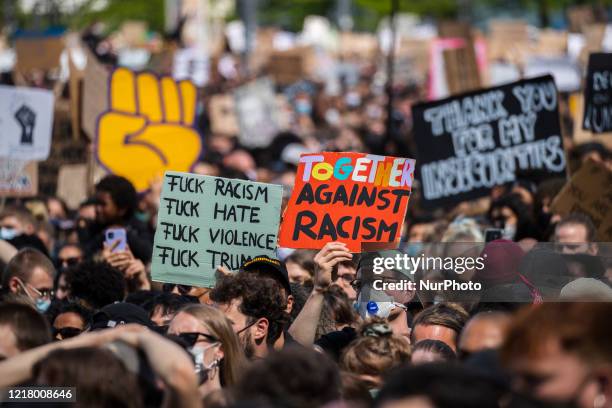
[275,267]
[120,313]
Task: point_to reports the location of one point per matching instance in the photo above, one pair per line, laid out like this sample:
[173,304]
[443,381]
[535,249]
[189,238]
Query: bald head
[483,331]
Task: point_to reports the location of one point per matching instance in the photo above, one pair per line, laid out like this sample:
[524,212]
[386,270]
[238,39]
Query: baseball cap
[120,313]
[264,264]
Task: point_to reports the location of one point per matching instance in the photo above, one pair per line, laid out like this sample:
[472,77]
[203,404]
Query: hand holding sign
[148,127]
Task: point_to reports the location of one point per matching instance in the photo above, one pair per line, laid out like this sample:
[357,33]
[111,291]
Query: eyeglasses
[347,277]
[192,338]
[67,332]
[246,327]
[183,289]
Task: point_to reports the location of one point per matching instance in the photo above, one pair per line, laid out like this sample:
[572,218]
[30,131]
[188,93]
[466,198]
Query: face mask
[414,249]
[8,233]
[42,305]
[378,304]
[303,107]
[142,216]
[201,369]
[509,232]
[353,99]
[332,117]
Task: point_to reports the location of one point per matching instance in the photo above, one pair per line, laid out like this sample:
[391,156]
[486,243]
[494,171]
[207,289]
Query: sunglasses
[43,293]
[183,289]
[192,338]
[67,332]
[67,262]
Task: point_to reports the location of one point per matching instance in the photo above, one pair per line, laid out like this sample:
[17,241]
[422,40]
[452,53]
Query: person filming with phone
[116,230]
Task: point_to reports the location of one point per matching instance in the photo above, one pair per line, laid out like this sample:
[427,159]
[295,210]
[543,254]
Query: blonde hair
[234,361]
[375,353]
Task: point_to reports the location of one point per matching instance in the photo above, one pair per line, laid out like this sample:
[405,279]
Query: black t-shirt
[335,342]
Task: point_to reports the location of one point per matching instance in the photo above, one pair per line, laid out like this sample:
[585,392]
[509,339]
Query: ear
[14,285]
[220,353]
[290,301]
[260,329]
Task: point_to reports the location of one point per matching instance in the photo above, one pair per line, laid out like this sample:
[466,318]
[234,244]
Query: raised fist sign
[148,127]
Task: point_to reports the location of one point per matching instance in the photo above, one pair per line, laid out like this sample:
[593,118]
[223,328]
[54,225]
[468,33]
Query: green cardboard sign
[204,222]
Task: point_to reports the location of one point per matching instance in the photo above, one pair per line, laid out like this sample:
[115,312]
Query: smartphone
[113,235]
[491,234]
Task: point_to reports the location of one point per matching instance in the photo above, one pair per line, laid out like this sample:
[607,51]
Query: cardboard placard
[222,114]
[360,46]
[256,111]
[94,95]
[26,122]
[470,143]
[72,182]
[598,94]
[42,53]
[590,192]
[579,17]
[134,33]
[552,43]
[461,69]
[204,222]
[355,198]
[18,178]
[74,88]
[500,48]
[287,67]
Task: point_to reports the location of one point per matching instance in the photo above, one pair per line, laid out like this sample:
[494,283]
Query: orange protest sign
[355,198]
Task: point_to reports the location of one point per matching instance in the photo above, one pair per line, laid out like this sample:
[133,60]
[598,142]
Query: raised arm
[304,326]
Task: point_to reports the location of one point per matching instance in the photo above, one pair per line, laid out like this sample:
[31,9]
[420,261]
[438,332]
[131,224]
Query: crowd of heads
[298,332]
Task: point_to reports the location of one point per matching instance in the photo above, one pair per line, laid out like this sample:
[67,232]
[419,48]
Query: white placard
[26,123]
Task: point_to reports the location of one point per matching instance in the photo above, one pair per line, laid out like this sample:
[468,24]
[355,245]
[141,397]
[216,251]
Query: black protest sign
[469,143]
[598,94]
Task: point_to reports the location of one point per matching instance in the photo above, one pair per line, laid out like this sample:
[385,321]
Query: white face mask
[509,232]
[378,304]
[201,368]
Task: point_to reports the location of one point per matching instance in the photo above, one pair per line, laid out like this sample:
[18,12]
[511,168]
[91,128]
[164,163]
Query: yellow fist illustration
[148,127]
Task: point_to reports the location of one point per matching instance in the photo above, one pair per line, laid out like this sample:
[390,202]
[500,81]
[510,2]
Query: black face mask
[544,220]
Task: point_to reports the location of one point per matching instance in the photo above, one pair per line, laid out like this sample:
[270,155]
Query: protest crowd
[241,235]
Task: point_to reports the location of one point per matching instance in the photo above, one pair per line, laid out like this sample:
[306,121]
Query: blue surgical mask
[8,233]
[414,249]
[303,107]
[42,305]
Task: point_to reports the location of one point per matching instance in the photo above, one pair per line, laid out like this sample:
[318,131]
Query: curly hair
[122,193]
[96,283]
[76,308]
[261,297]
[376,350]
